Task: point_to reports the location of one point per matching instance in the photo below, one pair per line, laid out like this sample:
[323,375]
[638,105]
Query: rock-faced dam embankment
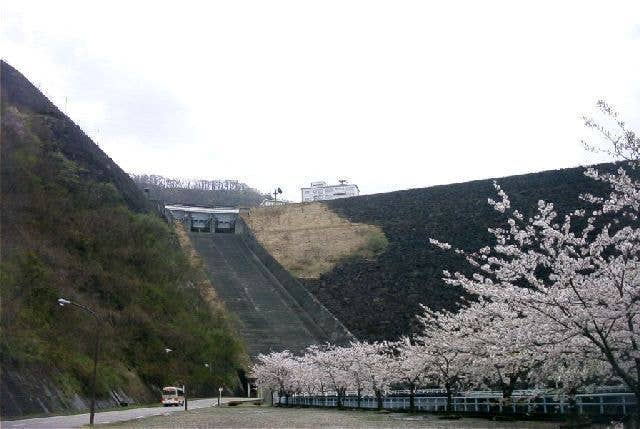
[274,311]
[368,258]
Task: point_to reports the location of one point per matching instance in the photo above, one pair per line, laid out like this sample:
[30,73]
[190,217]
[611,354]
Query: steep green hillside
[74,225]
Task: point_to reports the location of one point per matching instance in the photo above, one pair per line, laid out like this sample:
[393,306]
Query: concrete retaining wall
[333,329]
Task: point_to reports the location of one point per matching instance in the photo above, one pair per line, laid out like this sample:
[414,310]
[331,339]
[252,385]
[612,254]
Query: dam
[274,311]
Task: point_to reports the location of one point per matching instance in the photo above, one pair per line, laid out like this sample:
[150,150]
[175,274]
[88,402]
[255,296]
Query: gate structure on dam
[205,219]
[275,311]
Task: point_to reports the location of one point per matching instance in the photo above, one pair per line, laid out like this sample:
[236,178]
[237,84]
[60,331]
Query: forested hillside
[210,193]
[74,225]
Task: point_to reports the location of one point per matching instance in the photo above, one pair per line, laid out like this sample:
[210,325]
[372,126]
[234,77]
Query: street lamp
[167,350]
[275,195]
[62,302]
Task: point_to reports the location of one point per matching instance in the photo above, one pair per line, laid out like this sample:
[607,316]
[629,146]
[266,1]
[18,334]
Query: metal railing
[598,403]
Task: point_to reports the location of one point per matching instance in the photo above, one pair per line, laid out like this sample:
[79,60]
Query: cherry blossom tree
[334,362]
[443,339]
[413,367]
[556,303]
[502,344]
[300,378]
[275,371]
[312,378]
[377,366]
[356,369]
[577,278]
[570,366]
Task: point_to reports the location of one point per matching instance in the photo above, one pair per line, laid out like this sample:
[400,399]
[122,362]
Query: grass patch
[310,240]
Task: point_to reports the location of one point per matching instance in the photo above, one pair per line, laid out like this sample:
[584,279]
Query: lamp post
[62,302]
[275,196]
[167,350]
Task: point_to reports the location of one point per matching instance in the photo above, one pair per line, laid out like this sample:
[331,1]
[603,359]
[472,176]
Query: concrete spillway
[271,319]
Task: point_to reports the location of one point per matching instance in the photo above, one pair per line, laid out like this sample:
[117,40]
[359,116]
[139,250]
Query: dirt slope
[310,240]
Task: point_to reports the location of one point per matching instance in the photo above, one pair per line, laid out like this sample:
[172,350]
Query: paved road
[79,420]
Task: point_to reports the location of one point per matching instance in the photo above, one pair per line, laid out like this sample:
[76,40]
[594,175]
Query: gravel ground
[251,416]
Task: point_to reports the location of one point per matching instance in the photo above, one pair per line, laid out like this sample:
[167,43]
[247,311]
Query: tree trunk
[449,398]
[359,397]
[572,409]
[507,393]
[412,398]
[379,398]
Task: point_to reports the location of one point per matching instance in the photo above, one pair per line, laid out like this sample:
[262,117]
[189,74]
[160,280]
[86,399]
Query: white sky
[391,94]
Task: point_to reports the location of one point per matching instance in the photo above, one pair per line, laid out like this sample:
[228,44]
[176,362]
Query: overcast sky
[390,94]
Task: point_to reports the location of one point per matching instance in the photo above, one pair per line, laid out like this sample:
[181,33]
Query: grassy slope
[309,239]
[74,224]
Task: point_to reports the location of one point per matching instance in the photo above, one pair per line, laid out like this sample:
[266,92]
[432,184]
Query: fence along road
[613,404]
[271,320]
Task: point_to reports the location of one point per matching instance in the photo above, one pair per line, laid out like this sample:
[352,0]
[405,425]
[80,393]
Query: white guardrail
[601,402]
